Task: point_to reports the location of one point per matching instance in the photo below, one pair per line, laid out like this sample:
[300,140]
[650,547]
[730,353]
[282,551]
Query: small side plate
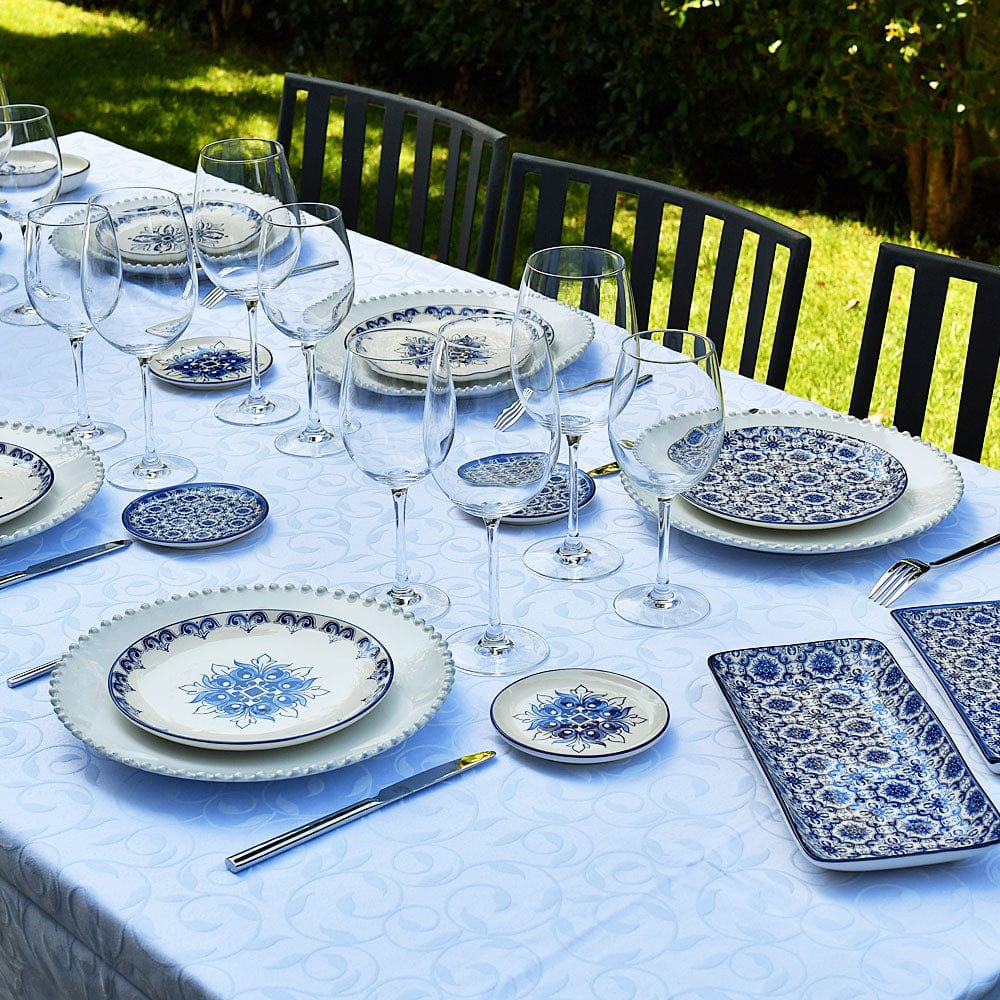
[553,502]
[580,716]
[208,363]
[195,515]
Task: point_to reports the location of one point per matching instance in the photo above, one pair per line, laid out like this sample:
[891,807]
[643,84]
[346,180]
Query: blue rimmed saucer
[25,479]
[580,716]
[208,363]
[552,503]
[195,515]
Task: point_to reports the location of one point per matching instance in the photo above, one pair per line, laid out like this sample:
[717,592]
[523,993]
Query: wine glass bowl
[665,438]
[140,289]
[306,286]
[237,182]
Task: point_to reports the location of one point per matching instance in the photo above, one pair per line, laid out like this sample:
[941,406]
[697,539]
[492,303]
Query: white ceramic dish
[426,311]
[933,490]
[25,479]
[75,171]
[78,475]
[580,715]
[208,363]
[423,676]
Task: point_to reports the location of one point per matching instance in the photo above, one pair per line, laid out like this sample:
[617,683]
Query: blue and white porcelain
[961,645]
[250,678]
[195,515]
[580,716]
[798,478]
[25,479]
[552,504]
[865,773]
[75,171]
[208,363]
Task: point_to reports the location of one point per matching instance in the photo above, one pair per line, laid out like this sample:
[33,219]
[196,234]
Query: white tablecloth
[668,874]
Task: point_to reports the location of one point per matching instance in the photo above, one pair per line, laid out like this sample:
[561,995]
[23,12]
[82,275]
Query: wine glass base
[596,560]
[306,445]
[100,437]
[428,603]
[523,651]
[22,315]
[128,474]
[686,608]
[270,409]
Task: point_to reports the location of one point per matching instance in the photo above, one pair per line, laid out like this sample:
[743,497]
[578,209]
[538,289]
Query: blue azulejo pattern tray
[25,479]
[580,716]
[798,478]
[208,363]
[866,775]
[961,645]
[250,679]
[195,515]
[553,502]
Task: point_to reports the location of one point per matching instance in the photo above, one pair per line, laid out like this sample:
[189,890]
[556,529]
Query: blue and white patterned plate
[25,479]
[208,363]
[961,645]
[195,515]
[250,679]
[866,775]
[580,716]
[798,478]
[552,503]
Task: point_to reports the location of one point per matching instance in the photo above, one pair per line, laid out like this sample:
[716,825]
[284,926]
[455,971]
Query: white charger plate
[25,479]
[423,675]
[933,489]
[77,471]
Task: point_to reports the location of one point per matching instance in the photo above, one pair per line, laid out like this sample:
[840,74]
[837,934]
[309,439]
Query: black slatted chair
[932,274]
[551,179]
[457,226]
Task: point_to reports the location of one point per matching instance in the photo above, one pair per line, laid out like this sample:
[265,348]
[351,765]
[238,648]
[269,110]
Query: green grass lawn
[168,95]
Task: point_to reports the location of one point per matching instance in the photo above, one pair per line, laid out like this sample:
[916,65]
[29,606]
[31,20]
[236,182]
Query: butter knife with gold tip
[388,795]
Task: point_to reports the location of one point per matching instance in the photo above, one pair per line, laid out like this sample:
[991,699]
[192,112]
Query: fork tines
[895,581]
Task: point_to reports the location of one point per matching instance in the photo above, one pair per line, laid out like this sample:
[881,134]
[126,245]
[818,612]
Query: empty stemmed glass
[236,182]
[574,289]
[140,289]
[491,473]
[306,282]
[30,175]
[53,245]
[381,422]
[665,438]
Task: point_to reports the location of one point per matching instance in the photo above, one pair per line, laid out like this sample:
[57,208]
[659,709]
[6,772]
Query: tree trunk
[939,186]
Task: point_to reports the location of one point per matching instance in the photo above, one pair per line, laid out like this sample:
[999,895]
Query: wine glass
[574,288]
[665,438]
[30,175]
[236,182]
[53,245]
[491,473]
[382,426]
[140,289]
[306,282]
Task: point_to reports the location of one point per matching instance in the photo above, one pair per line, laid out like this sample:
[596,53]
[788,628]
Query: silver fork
[213,298]
[510,415]
[901,575]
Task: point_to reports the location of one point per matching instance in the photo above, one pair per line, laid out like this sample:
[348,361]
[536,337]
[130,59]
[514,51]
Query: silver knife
[389,794]
[60,562]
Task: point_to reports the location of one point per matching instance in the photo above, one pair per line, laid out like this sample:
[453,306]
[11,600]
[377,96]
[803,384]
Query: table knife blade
[391,793]
[60,562]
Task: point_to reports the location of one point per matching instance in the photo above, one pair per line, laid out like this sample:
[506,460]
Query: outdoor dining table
[668,874]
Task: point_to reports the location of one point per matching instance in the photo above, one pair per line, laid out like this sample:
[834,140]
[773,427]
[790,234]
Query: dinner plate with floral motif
[865,773]
[580,715]
[961,645]
[25,479]
[208,363]
[423,674]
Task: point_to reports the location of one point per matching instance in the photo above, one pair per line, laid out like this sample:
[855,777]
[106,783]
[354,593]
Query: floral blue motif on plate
[961,645]
[208,363]
[553,502]
[195,515]
[864,771]
[250,679]
[25,479]
[798,478]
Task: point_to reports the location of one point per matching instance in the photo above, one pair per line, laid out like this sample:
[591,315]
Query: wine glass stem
[572,547]
[256,396]
[150,460]
[313,426]
[401,589]
[494,640]
[661,592]
[84,425]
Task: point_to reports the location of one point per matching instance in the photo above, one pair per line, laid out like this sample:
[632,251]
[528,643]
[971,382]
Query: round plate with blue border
[552,503]
[25,479]
[580,716]
[208,363]
[195,515]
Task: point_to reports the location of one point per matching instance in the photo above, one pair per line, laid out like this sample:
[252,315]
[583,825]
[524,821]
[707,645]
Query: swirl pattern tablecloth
[670,874]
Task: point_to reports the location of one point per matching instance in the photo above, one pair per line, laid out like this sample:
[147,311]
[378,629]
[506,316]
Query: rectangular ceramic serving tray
[865,774]
[961,645]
